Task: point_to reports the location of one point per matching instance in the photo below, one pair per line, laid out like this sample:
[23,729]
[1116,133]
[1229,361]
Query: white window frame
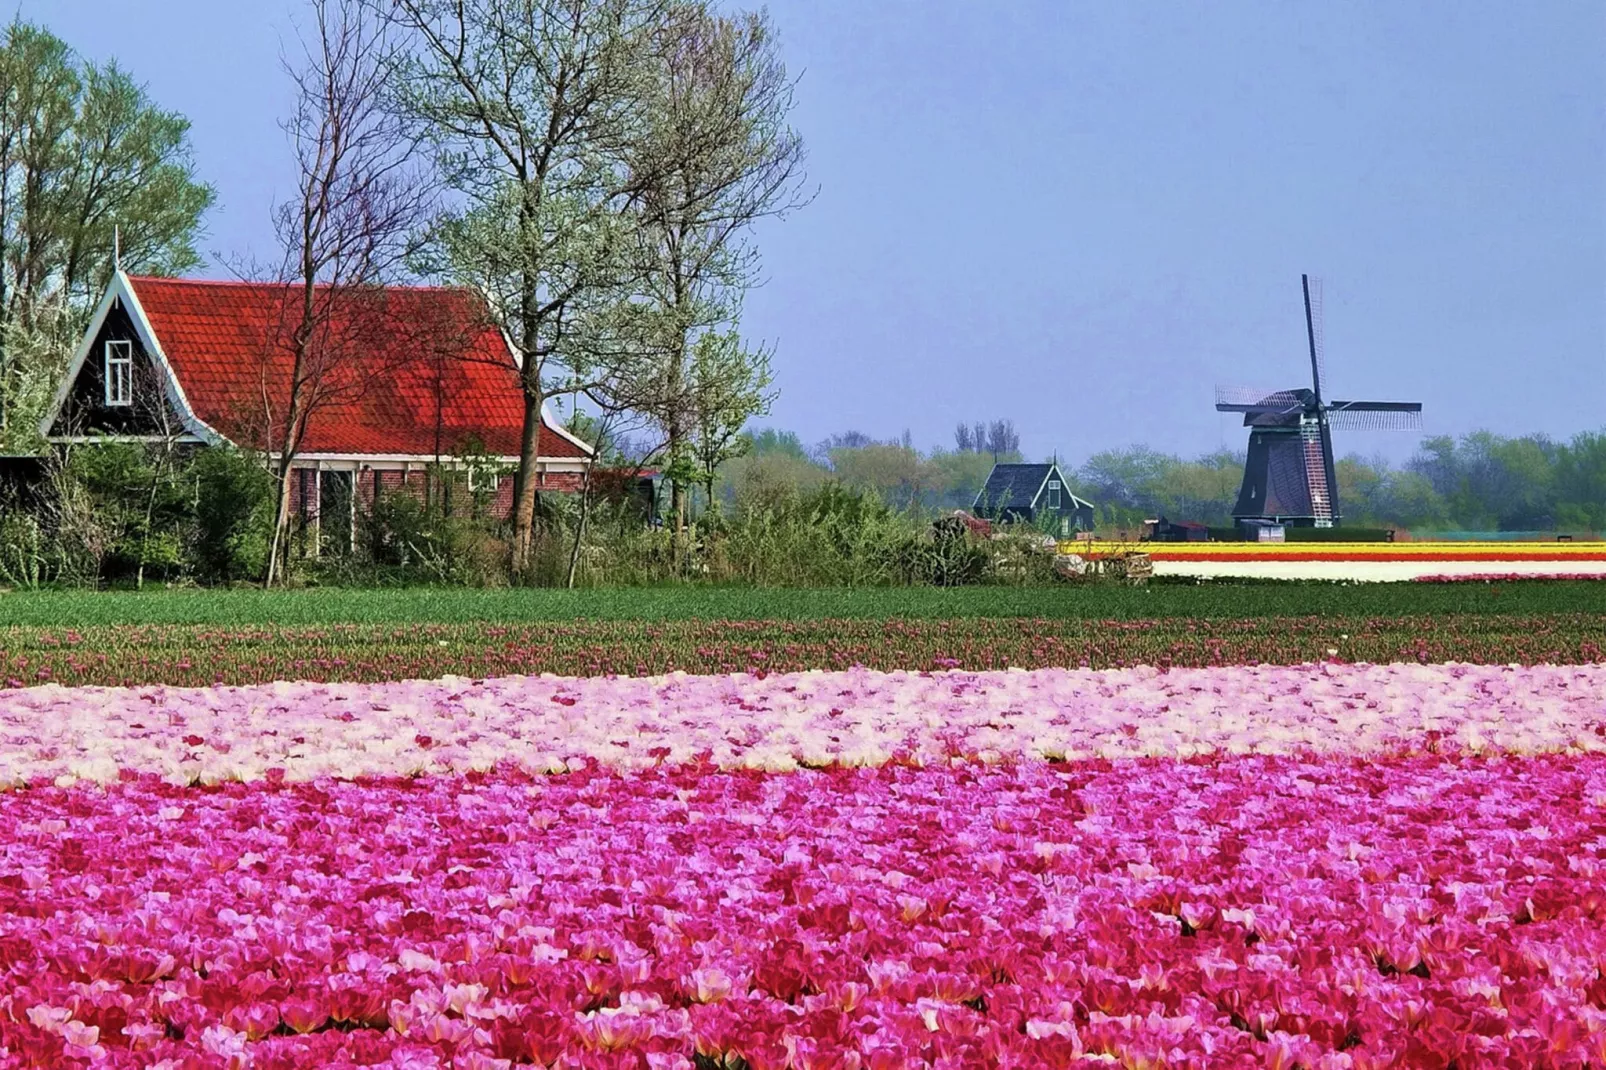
[1053,494]
[492,477]
[123,365]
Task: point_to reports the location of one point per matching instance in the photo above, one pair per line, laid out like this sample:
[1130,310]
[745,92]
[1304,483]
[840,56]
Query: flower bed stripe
[1409,911]
[780,721]
[192,655]
[1379,570]
[1351,551]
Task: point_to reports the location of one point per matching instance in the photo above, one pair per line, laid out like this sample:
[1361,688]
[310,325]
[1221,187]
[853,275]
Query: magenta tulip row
[783,721]
[1323,912]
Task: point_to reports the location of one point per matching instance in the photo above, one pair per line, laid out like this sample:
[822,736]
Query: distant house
[428,381]
[1162,530]
[1036,494]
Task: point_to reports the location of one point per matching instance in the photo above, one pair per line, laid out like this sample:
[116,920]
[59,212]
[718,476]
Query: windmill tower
[1289,476]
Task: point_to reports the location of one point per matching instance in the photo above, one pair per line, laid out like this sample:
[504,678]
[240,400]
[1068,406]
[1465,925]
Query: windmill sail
[1374,416]
[1254,402]
[1313,330]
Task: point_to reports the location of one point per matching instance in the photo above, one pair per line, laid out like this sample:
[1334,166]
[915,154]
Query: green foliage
[83,151]
[830,535]
[402,540]
[891,470]
[233,515]
[1485,482]
[937,482]
[135,505]
[772,480]
[1127,486]
[1343,534]
[769,442]
[23,549]
[1424,609]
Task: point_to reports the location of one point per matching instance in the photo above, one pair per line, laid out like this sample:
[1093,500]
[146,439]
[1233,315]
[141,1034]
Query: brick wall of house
[303,493]
[565,482]
[501,503]
[385,482]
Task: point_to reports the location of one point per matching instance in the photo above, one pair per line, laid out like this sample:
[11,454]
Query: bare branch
[344,236]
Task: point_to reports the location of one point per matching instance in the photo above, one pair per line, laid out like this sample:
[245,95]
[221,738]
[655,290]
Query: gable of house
[1067,501]
[116,384]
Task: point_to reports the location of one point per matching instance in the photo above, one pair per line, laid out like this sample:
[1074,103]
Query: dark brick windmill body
[1289,476]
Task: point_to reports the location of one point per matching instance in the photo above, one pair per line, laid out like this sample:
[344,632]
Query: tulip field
[1373,562]
[1329,840]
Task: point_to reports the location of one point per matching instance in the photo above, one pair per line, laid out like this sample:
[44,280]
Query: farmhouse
[1033,493]
[413,378]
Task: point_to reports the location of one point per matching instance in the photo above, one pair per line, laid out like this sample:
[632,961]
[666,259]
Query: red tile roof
[425,375]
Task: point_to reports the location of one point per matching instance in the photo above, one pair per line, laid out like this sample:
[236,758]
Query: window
[482,479]
[119,373]
[1053,494]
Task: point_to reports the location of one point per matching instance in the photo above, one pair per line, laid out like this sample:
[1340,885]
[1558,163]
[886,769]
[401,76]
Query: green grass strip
[205,654]
[1216,600]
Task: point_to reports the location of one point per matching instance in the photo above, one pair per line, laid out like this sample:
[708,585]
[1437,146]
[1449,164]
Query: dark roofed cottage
[1036,494]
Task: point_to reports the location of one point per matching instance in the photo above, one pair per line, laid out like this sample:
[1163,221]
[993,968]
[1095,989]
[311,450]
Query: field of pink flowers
[1322,866]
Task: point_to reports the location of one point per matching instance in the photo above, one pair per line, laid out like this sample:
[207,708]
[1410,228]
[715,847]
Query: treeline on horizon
[1478,482]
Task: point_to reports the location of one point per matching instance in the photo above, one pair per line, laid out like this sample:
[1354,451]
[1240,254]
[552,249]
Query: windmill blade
[1261,410]
[1246,399]
[1376,406]
[1375,416]
[1313,332]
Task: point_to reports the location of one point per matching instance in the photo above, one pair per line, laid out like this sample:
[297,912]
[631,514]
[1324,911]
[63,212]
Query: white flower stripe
[778,722]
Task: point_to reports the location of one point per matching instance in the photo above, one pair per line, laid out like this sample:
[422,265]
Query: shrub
[123,507]
[402,540]
[233,515]
[23,549]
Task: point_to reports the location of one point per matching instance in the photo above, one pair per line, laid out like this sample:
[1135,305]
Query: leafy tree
[84,153]
[1410,500]
[955,478]
[769,441]
[1581,483]
[530,106]
[713,155]
[729,386]
[233,514]
[894,472]
[1125,479]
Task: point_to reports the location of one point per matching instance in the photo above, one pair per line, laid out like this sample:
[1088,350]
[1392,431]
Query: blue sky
[1082,216]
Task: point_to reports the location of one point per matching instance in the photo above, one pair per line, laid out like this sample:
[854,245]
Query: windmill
[1289,476]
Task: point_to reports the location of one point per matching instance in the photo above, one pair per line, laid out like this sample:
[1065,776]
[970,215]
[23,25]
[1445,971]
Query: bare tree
[1002,439]
[343,236]
[715,156]
[528,104]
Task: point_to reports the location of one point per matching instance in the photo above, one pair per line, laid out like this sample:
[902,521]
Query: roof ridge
[260,283]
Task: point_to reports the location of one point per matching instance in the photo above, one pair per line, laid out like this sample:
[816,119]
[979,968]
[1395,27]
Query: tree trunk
[675,435]
[525,494]
[145,535]
[580,526]
[677,536]
[278,547]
